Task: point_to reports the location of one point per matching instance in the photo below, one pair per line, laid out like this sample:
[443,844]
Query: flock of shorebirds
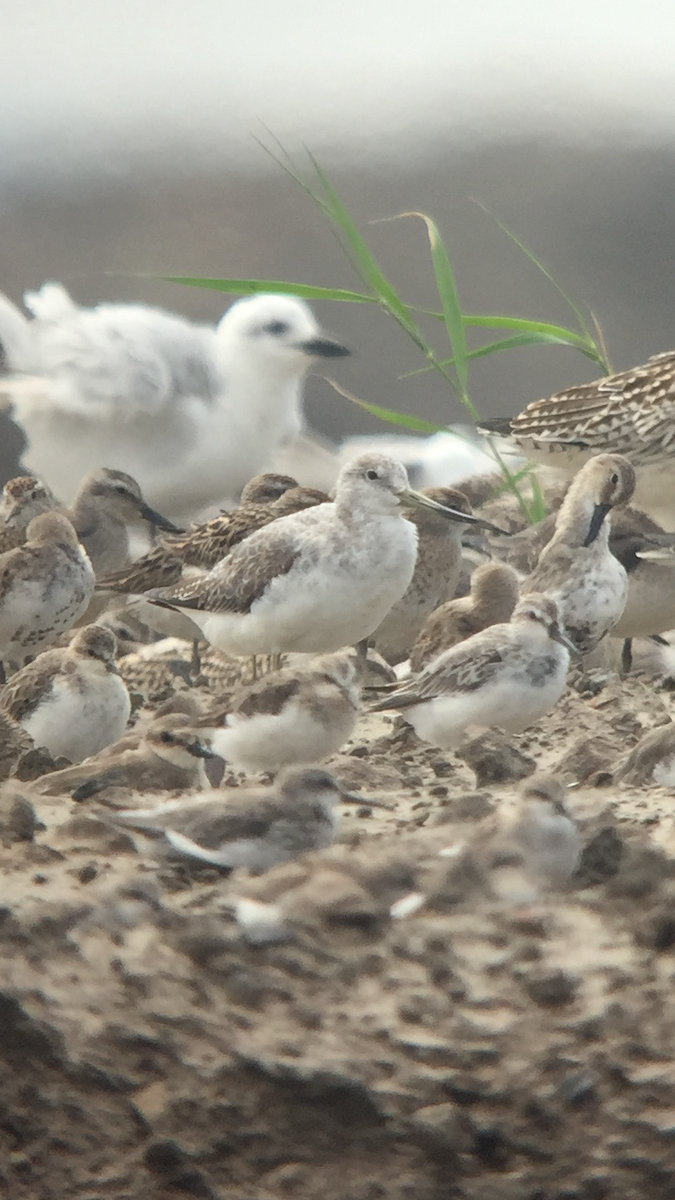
[471,625]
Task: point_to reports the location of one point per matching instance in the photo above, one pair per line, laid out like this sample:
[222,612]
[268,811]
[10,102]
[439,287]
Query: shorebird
[651,761]
[492,599]
[45,585]
[507,676]
[439,556]
[317,580]
[631,412]
[532,845]
[71,701]
[248,827]
[107,507]
[169,757]
[300,714]
[191,412]
[23,498]
[576,567]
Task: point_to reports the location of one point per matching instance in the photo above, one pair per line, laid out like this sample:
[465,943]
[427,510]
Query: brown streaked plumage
[652,761]
[45,585]
[14,741]
[23,498]
[492,599]
[630,412]
[205,545]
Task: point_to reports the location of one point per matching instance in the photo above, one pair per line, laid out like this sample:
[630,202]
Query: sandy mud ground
[472,1049]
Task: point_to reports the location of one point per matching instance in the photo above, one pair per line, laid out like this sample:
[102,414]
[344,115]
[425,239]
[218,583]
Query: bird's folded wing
[242,578]
[460,669]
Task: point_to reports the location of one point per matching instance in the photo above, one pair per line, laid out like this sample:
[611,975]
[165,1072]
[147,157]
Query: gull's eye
[372,475]
[615,478]
[166,737]
[276,328]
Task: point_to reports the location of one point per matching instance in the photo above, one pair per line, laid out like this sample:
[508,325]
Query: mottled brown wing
[242,578]
[265,697]
[24,691]
[208,544]
[638,402]
[463,668]
[161,567]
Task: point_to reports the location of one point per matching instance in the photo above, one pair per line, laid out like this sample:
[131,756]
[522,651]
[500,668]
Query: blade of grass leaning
[453,316]
[497,321]
[252,287]
[578,313]
[519,339]
[538,510]
[390,415]
[369,268]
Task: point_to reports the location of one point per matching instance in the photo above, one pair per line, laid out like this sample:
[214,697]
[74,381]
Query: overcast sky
[91,83]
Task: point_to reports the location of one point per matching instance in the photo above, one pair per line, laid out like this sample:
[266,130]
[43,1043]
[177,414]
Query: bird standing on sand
[71,701]
[506,677]
[296,715]
[577,568]
[317,580]
[191,412]
[45,585]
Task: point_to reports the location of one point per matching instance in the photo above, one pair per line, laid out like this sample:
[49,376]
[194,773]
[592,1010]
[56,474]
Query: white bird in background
[189,411]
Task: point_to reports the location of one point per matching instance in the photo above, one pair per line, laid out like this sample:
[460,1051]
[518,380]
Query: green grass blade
[547,275]
[519,339]
[369,268]
[407,420]
[449,297]
[538,510]
[252,287]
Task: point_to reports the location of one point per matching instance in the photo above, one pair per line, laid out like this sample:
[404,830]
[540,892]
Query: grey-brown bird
[71,700]
[491,600]
[300,714]
[169,758]
[23,498]
[577,568]
[248,827]
[439,555]
[652,760]
[45,586]
[108,506]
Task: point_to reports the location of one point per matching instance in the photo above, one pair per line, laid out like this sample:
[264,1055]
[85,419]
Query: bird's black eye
[372,475]
[166,737]
[276,328]
[615,478]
